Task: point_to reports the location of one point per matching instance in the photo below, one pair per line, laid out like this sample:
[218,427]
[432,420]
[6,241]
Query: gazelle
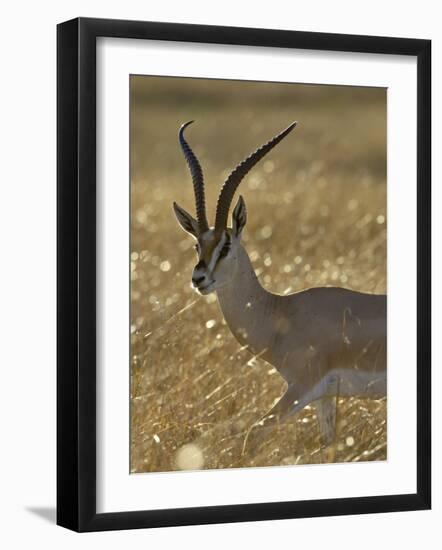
[324,342]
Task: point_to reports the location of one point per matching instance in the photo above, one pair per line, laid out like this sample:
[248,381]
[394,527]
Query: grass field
[316,216]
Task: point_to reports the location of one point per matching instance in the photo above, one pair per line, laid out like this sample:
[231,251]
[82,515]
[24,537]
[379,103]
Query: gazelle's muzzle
[201,279]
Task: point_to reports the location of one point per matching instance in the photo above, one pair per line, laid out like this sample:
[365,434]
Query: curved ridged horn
[232,182]
[197,179]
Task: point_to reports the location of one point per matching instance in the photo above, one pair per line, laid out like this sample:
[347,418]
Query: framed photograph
[243,274]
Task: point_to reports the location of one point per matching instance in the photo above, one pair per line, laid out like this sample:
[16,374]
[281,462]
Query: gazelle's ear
[187,222]
[239,217]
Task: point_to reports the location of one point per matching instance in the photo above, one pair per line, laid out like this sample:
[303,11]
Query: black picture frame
[76,273]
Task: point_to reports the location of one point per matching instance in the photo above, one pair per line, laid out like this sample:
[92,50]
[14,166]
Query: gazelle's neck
[247,306]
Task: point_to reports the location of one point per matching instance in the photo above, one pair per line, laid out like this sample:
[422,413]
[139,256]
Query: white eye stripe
[224,241]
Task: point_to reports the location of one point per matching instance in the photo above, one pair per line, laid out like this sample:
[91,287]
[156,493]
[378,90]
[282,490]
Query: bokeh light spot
[189,457]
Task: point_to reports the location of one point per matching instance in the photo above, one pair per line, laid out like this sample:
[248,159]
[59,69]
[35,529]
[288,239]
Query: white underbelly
[360,383]
[347,383]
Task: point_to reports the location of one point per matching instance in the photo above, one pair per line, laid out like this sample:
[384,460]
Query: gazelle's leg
[284,408]
[326,408]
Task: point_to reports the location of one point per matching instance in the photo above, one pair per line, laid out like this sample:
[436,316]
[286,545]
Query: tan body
[323,341]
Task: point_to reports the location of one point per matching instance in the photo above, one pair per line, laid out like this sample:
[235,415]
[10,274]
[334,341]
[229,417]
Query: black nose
[197,280]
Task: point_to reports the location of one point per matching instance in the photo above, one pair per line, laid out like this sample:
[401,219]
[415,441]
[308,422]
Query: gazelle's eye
[224,251]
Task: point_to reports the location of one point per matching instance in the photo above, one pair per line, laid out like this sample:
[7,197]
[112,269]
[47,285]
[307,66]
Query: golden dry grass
[317,216]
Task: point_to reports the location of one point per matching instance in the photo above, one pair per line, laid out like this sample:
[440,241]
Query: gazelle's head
[217,247]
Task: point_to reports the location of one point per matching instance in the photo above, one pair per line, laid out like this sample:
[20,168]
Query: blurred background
[316,216]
